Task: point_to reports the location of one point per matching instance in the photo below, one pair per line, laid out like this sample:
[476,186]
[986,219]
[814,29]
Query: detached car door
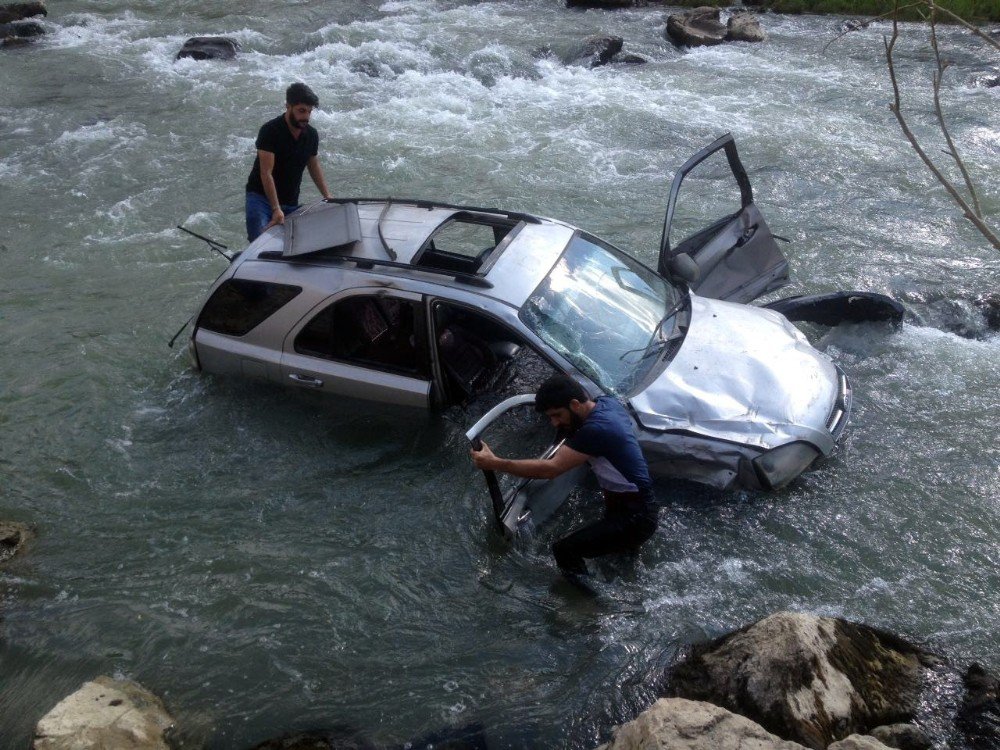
[520,504]
[711,206]
[368,344]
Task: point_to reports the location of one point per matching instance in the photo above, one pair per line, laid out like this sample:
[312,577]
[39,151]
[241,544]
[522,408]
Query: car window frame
[420,330]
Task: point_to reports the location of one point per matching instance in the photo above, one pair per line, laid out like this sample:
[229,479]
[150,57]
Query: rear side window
[239,305]
[372,331]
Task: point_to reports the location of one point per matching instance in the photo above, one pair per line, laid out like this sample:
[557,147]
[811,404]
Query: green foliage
[974,11]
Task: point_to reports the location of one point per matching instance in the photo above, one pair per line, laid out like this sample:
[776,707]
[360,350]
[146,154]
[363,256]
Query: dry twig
[971,214]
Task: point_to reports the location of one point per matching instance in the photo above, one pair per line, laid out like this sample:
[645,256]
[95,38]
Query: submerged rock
[858,742]
[679,724]
[596,51]
[105,713]
[903,737]
[989,304]
[13,538]
[979,717]
[986,80]
[338,738]
[810,679]
[19,33]
[605,4]
[209,48]
[17,11]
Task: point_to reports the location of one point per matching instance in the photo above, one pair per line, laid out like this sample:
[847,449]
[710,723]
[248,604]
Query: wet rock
[902,737]
[21,29]
[744,27]
[989,305]
[105,713]
[696,28]
[337,738]
[13,539]
[19,33]
[979,716]
[810,679]
[680,724]
[986,80]
[629,58]
[604,4]
[17,11]
[858,742]
[209,48]
[854,24]
[595,51]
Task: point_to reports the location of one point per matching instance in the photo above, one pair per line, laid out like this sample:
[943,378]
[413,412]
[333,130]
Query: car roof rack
[367,264]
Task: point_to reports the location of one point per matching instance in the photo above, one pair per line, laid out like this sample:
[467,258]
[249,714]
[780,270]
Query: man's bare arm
[562,461]
[267,179]
[316,172]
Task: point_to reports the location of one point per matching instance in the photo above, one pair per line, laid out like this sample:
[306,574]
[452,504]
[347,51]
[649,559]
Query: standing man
[601,434]
[286,146]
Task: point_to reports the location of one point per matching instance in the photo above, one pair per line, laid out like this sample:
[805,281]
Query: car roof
[391,235]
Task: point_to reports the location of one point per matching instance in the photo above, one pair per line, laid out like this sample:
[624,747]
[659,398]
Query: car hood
[746,375]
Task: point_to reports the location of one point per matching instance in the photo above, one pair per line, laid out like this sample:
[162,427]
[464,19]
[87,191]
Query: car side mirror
[682,266]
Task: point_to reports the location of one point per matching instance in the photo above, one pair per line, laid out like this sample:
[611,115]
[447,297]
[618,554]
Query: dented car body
[430,305]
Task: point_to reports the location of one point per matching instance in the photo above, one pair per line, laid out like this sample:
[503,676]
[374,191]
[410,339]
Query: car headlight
[778,467]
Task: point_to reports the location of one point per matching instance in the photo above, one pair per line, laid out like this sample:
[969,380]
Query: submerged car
[430,305]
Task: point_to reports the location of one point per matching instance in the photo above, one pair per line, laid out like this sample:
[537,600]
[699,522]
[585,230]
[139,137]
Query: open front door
[521,503]
[724,232]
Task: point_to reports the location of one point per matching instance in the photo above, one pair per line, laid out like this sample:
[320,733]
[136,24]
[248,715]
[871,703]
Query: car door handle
[747,235]
[306,380]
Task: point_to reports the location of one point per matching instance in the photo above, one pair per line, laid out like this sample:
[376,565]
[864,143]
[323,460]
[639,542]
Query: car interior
[477,354]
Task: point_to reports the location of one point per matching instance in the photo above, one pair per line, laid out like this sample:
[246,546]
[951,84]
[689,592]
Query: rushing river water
[267,562]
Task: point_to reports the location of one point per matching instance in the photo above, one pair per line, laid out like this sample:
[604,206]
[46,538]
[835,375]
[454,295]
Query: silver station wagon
[431,305]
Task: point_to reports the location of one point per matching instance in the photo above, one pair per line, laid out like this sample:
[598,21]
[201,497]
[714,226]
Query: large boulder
[679,724]
[209,48]
[696,28]
[13,538]
[17,11]
[806,678]
[979,716]
[744,27]
[105,713]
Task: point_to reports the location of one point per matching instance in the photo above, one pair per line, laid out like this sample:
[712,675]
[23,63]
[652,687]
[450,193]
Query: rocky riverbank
[791,681]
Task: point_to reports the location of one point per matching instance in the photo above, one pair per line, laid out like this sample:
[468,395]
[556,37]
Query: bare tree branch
[890,14]
[952,149]
[962,22]
[896,109]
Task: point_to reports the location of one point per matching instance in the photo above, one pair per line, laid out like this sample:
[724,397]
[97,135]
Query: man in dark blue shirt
[601,434]
[286,146]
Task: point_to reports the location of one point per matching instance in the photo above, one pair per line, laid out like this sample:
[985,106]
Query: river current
[267,562]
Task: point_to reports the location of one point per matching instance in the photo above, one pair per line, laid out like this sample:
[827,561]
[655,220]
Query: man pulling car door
[601,434]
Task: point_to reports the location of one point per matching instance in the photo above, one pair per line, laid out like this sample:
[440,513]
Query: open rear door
[724,232]
[521,503]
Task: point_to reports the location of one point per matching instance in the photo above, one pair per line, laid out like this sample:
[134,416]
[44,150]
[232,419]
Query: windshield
[605,313]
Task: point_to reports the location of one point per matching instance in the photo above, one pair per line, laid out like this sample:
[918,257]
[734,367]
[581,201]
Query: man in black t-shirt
[286,146]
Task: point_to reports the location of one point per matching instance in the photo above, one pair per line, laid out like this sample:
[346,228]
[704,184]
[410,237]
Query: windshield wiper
[650,350]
